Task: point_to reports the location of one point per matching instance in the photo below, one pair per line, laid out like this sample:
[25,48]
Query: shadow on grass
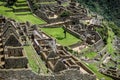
[60,38]
[18,14]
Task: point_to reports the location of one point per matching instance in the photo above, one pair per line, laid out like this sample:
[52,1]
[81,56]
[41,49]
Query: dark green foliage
[103,32]
[115,29]
[110,9]
[10,2]
[65,14]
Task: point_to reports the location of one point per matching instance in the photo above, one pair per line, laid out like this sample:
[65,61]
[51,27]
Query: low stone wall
[103,50]
[21,10]
[26,74]
[98,45]
[75,45]
[73,33]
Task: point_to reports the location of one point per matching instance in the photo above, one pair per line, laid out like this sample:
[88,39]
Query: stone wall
[16,62]
[98,45]
[26,74]
[73,33]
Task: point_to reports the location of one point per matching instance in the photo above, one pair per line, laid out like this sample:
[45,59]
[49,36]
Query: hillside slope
[110,9]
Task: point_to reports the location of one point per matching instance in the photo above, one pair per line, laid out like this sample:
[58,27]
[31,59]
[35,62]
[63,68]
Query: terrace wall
[26,74]
[73,33]
[16,62]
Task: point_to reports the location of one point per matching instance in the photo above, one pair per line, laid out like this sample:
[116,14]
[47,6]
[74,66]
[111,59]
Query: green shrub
[65,14]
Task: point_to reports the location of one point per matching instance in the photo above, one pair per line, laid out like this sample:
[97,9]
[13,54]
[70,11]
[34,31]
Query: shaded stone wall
[25,74]
[73,33]
[18,62]
[98,45]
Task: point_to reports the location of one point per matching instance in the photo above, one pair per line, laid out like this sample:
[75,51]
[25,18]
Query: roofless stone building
[14,63]
[13,53]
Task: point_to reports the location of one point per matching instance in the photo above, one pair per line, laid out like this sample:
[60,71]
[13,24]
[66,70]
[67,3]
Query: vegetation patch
[58,34]
[8,12]
[90,55]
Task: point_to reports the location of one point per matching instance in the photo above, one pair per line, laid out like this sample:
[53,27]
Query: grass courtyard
[28,16]
[58,34]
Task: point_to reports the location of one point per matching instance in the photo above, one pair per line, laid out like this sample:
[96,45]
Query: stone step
[27,13]
[21,10]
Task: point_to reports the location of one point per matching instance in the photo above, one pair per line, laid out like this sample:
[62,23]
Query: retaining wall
[26,74]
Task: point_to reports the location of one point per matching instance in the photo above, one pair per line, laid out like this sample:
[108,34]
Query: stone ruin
[12,53]
[110,65]
[13,58]
[87,34]
[112,72]
[52,12]
[56,58]
[116,43]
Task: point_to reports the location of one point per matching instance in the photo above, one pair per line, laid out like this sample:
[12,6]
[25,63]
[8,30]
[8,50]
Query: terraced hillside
[20,12]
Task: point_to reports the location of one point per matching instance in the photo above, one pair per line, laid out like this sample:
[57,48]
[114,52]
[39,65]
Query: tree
[10,2]
[65,14]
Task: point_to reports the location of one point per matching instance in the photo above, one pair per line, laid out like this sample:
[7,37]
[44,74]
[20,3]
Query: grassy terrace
[58,34]
[109,41]
[35,61]
[22,17]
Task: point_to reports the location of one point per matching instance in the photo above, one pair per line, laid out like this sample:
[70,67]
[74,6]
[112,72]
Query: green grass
[32,62]
[15,7]
[58,34]
[109,41]
[90,55]
[7,12]
[35,61]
